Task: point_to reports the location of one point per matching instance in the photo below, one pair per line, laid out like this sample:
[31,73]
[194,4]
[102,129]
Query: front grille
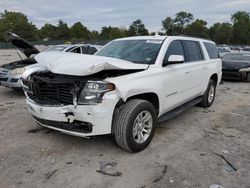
[4,72]
[230,75]
[51,90]
[3,79]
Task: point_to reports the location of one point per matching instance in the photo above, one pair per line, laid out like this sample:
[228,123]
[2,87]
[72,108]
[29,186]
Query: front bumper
[9,80]
[234,75]
[80,120]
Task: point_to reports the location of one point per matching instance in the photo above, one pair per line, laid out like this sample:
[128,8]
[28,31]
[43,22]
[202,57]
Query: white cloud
[98,13]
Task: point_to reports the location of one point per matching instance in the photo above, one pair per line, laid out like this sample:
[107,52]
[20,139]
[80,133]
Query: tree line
[184,23]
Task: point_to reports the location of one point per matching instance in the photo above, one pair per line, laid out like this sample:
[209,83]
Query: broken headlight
[93,92]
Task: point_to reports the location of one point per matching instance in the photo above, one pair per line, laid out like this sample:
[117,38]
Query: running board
[179,110]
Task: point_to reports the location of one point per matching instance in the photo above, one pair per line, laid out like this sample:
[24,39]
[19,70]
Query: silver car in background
[10,73]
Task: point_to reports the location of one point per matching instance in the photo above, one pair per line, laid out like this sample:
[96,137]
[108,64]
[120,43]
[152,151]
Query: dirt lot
[198,148]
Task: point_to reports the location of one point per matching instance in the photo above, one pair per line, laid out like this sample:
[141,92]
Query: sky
[98,13]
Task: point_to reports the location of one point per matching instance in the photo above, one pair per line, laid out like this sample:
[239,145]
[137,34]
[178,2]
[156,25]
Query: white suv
[124,89]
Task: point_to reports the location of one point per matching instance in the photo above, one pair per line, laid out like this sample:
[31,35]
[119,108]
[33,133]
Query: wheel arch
[151,97]
[214,77]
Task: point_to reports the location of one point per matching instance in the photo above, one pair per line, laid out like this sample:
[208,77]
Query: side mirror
[174,59]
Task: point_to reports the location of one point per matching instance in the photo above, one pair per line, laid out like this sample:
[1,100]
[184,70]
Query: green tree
[137,28]
[78,31]
[181,20]
[18,23]
[197,29]
[168,26]
[241,27]
[62,31]
[48,31]
[177,25]
[94,35]
[221,33]
[112,33]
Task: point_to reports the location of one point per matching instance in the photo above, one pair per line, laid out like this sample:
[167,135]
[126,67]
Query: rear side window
[175,48]
[76,50]
[193,51]
[212,50]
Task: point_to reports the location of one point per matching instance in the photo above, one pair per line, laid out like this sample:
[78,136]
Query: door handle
[204,68]
[187,72]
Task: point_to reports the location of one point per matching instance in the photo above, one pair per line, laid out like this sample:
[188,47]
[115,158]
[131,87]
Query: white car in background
[10,73]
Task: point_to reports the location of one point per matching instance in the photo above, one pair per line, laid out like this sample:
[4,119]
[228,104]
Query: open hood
[23,45]
[81,65]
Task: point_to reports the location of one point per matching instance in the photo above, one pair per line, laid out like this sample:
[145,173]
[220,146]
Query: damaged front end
[74,105]
[71,93]
[55,89]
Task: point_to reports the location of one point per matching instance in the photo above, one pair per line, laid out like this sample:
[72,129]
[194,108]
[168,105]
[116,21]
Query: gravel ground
[198,148]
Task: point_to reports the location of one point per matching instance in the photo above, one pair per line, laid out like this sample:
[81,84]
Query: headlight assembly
[245,69]
[93,92]
[17,71]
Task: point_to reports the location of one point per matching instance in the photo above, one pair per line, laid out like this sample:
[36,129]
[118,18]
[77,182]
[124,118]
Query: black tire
[124,123]
[206,102]
[248,77]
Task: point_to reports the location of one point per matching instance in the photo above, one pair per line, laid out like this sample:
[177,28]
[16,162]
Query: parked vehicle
[246,49]
[236,66]
[222,51]
[124,89]
[75,48]
[10,73]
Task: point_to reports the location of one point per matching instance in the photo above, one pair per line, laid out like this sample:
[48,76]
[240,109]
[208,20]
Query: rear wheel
[134,125]
[209,95]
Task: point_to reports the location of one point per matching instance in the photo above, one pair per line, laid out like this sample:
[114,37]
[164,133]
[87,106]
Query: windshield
[136,51]
[55,48]
[237,57]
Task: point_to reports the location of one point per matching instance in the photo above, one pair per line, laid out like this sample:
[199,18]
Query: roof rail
[193,37]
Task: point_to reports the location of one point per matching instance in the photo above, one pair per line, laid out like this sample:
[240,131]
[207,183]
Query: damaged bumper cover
[82,120]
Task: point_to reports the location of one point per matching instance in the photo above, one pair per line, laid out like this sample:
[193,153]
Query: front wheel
[209,95]
[134,125]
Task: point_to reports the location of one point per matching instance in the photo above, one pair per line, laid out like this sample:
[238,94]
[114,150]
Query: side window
[76,50]
[193,51]
[92,50]
[212,50]
[84,49]
[175,48]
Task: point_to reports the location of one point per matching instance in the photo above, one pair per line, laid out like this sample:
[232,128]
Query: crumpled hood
[81,65]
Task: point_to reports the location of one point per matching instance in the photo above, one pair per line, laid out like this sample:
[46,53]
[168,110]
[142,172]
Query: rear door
[196,69]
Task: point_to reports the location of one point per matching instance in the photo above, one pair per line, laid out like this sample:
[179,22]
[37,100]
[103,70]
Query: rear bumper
[234,75]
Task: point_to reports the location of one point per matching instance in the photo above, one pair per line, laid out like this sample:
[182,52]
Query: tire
[128,125]
[209,95]
[248,77]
